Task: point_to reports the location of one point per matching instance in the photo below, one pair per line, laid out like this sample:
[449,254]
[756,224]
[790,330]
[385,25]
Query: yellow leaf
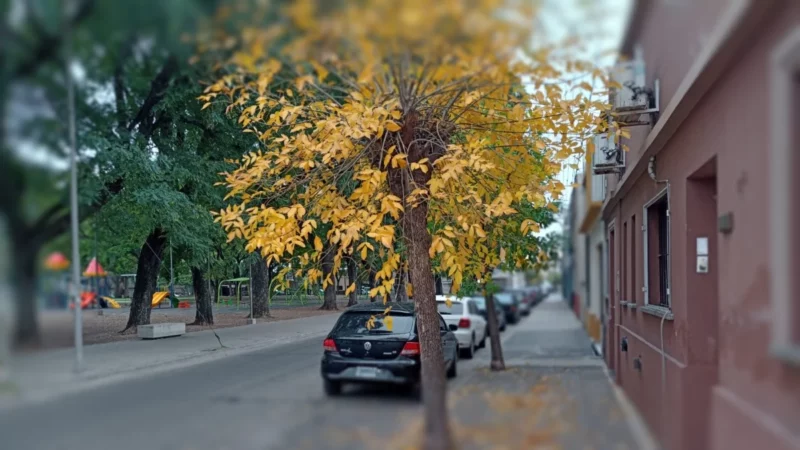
[409,290]
[364,252]
[317,243]
[205,106]
[502,254]
[388,323]
[350,289]
[448,302]
[393,127]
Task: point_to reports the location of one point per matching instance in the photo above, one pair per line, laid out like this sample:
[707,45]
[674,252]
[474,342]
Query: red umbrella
[94,269]
[56,261]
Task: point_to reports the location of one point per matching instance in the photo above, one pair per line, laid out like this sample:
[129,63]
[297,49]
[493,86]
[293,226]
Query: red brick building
[703,224]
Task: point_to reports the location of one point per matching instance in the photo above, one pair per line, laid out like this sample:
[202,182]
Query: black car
[381,354]
[480,302]
[510,304]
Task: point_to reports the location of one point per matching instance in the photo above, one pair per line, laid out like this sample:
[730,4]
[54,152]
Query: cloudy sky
[605,21]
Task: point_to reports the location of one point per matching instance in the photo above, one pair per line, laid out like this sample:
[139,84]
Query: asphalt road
[262,400]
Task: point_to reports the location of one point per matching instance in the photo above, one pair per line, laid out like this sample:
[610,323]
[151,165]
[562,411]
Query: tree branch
[158,89]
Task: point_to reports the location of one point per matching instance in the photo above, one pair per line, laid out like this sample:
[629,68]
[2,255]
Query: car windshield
[355,323]
[480,302]
[504,298]
[454,308]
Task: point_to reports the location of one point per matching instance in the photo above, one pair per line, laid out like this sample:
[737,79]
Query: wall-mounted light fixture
[725,223]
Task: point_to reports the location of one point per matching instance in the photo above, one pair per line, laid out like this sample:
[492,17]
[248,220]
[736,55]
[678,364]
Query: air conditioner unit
[608,156]
[633,103]
[631,76]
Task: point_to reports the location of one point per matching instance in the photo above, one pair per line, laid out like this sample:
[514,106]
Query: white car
[464,313]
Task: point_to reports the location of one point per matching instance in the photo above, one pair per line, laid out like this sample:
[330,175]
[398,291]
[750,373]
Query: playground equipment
[56,262]
[159,297]
[236,283]
[55,281]
[89,300]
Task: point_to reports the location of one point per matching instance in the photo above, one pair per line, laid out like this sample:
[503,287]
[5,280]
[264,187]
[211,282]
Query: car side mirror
[453,327]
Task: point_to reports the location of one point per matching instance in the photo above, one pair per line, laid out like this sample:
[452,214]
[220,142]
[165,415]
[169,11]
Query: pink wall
[723,389]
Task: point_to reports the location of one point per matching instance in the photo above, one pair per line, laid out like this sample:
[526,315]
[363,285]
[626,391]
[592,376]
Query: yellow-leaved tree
[378,118]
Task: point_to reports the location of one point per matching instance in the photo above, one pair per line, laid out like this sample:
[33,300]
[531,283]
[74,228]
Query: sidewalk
[554,394]
[45,375]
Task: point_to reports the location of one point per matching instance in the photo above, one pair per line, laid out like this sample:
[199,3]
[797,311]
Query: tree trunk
[437,434]
[402,293]
[439,288]
[328,258]
[260,295]
[204,314]
[494,333]
[352,280]
[372,284]
[26,332]
[146,278]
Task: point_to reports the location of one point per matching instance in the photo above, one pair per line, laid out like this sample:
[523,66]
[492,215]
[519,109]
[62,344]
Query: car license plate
[366,372]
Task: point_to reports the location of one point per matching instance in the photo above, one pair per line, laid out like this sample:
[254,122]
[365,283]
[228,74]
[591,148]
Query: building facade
[703,316]
[587,255]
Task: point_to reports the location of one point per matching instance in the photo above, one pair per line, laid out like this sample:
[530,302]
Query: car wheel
[452,371]
[332,388]
[469,352]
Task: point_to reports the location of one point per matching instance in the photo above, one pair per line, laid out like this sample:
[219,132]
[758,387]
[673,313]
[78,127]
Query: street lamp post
[73,196]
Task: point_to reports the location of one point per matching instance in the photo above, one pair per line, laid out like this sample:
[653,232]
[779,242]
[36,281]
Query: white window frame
[664,193]
[612,226]
[785,64]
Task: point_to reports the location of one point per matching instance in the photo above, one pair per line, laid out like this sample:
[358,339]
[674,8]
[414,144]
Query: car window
[504,298]
[455,309]
[442,324]
[480,303]
[355,323]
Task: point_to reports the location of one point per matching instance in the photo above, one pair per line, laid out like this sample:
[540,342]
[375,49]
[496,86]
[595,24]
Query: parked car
[471,326]
[525,300]
[388,352]
[510,305]
[480,302]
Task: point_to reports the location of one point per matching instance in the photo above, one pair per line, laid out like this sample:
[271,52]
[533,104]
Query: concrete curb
[91,380]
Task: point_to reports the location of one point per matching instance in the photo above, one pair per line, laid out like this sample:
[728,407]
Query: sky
[608,19]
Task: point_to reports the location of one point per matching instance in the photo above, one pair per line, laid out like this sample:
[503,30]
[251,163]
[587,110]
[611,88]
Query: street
[273,399]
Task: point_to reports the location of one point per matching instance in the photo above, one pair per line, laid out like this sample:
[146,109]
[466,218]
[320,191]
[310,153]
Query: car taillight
[329,345]
[463,323]
[410,349]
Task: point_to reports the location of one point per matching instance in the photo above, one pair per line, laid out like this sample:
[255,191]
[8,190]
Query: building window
[624,282]
[784,205]
[656,251]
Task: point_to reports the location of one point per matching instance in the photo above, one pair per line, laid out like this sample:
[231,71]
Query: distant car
[510,305]
[480,302]
[525,301]
[471,326]
[353,353]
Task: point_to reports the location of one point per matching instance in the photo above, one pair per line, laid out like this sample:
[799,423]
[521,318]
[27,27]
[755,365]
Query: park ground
[104,325]
[555,395]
